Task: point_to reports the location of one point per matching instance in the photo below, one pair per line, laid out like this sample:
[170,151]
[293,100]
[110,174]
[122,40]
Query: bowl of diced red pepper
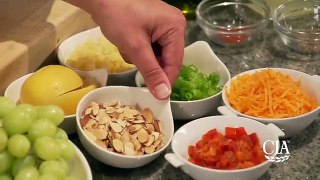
[224,147]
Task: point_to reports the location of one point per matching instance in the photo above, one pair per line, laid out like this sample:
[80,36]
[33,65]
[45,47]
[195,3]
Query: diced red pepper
[254,138]
[234,150]
[231,133]
[241,132]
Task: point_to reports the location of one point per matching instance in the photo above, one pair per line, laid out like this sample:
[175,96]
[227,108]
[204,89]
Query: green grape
[5,177]
[3,139]
[61,134]
[48,176]
[67,149]
[53,113]
[21,163]
[42,127]
[47,148]
[28,108]
[18,145]
[28,173]
[64,164]
[6,105]
[53,167]
[17,121]
[6,160]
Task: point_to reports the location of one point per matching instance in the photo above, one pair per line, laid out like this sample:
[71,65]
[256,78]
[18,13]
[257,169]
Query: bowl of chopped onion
[197,91]
[288,98]
[90,50]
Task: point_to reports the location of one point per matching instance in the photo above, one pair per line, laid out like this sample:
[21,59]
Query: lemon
[54,85]
[69,101]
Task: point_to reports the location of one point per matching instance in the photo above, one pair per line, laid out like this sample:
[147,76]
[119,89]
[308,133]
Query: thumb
[141,54]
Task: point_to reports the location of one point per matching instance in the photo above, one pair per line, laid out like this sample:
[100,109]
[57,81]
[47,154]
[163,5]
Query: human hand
[148,33]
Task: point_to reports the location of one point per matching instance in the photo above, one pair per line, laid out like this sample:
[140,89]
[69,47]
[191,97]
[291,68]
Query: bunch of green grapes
[32,147]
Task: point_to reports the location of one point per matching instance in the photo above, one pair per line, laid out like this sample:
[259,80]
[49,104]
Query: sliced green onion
[193,84]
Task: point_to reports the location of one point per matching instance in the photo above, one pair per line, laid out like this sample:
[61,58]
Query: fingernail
[162,91]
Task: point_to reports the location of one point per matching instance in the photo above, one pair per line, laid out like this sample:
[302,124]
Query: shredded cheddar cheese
[269,94]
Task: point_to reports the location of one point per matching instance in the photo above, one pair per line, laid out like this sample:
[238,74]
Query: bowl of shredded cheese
[287,98]
[90,50]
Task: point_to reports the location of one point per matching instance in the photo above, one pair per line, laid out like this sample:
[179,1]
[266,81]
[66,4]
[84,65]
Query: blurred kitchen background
[188,6]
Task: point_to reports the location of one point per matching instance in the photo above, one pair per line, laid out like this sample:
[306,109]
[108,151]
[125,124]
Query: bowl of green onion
[197,91]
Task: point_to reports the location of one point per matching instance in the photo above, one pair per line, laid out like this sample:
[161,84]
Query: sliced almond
[159,146]
[143,135]
[119,110]
[157,142]
[125,136]
[121,123]
[110,110]
[149,150]
[140,153]
[123,129]
[90,135]
[92,116]
[156,125]
[135,127]
[139,121]
[155,134]
[116,127]
[95,108]
[88,111]
[114,115]
[101,114]
[101,144]
[118,145]
[150,128]
[137,145]
[134,136]
[127,112]
[116,135]
[104,120]
[129,149]
[148,115]
[100,133]
[110,136]
[150,141]
[90,124]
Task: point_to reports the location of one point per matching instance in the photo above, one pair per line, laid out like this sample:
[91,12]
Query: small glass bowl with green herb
[197,91]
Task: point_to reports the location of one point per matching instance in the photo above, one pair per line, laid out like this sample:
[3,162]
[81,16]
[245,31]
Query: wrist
[90,6]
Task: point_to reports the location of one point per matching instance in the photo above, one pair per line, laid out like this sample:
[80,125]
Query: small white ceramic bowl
[129,96]
[291,125]
[69,122]
[201,55]
[79,166]
[192,132]
[69,45]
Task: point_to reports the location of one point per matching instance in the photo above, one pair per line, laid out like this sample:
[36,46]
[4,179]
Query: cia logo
[275,147]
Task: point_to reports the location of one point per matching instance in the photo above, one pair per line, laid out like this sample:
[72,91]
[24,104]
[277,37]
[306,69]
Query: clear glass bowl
[298,24]
[232,22]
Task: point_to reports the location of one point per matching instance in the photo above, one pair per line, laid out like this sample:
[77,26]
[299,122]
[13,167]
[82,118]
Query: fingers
[171,40]
[141,54]
[172,55]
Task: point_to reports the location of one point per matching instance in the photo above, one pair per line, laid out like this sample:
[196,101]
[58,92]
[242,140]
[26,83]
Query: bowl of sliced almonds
[124,127]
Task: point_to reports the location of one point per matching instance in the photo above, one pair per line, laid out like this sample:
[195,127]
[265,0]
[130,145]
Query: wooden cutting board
[30,31]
